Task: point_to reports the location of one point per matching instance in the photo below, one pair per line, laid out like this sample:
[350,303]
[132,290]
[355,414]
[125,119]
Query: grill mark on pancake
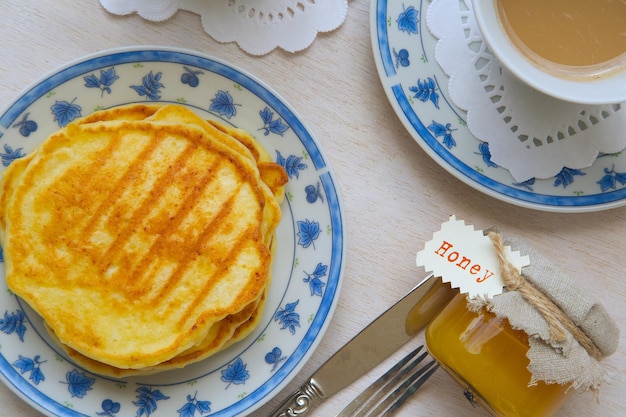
[117,190]
[205,235]
[134,287]
[95,166]
[146,205]
[223,270]
[69,177]
[174,222]
[87,178]
[118,243]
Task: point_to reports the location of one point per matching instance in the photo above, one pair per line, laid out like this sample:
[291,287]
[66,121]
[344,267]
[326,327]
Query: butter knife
[384,336]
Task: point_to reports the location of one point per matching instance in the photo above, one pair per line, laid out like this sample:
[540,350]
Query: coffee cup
[543,44]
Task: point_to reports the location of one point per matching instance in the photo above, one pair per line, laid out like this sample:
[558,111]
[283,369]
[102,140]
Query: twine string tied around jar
[559,323]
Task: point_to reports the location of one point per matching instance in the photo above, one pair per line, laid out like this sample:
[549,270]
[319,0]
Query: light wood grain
[393,194]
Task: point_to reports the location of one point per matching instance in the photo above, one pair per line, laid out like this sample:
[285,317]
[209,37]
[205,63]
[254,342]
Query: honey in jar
[488,358]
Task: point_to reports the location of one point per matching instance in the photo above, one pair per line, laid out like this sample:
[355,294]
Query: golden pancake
[273,174]
[10,179]
[222,334]
[133,238]
[178,114]
[127,112]
[227,331]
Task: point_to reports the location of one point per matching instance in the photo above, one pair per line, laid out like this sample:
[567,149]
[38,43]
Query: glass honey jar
[488,358]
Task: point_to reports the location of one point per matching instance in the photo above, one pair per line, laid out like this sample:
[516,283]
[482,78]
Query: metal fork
[397,385]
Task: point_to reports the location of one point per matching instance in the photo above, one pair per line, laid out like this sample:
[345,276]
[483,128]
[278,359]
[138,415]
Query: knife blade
[384,336]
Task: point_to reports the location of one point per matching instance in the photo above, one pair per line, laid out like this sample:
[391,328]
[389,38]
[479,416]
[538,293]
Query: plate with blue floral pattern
[416,87]
[307,271]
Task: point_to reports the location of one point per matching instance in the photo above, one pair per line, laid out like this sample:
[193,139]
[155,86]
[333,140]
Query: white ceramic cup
[603,90]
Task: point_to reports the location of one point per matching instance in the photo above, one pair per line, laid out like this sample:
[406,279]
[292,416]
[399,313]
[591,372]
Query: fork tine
[412,389]
[377,385]
[375,392]
[393,394]
[399,376]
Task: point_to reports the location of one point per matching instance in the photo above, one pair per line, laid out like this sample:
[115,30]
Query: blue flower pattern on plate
[293,164]
[408,21]
[445,132]
[14,323]
[566,176]
[235,373]
[147,399]
[611,178]
[316,285]
[193,405]
[150,87]
[64,112]
[288,317]
[426,90]
[78,383]
[31,366]
[310,182]
[104,82]
[223,104]
[10,154]
[308,232]
[271,125]
[483,149]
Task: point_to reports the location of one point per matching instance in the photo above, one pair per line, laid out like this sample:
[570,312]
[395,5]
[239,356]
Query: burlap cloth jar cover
[555,354]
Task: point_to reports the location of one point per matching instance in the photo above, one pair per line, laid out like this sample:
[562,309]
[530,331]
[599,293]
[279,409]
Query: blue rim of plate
[404,55]
[307,278]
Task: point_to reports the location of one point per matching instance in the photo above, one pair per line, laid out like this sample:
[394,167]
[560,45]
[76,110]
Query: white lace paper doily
[257,26]
[529,133]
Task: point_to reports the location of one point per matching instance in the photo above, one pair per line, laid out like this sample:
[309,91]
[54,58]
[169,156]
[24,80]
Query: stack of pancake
[143,235]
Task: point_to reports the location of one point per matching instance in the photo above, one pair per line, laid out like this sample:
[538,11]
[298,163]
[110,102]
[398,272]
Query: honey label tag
[467,259]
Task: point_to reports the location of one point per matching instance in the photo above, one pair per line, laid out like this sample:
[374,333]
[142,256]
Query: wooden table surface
[394,195]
